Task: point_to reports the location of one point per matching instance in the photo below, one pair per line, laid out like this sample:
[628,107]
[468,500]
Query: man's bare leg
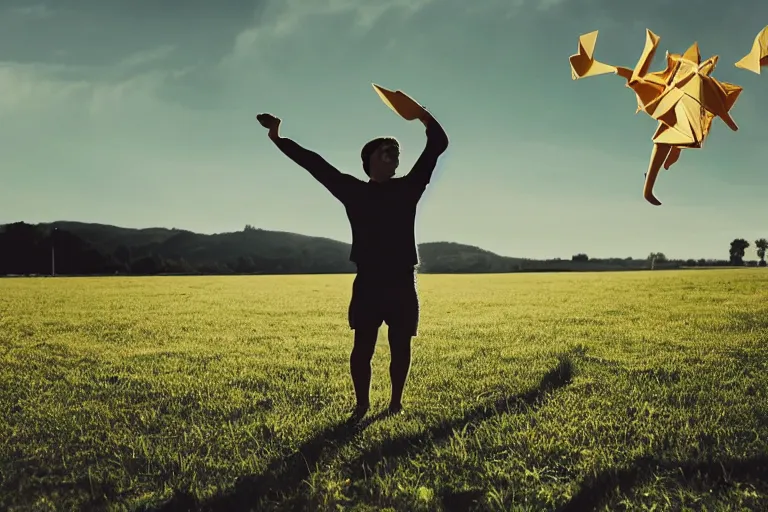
[360,367]
[399,366]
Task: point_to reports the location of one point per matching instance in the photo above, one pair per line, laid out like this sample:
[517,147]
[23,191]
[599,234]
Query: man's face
[384,161]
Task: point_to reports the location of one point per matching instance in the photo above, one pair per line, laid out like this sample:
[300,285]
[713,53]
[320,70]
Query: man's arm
[437,143]
[331,178]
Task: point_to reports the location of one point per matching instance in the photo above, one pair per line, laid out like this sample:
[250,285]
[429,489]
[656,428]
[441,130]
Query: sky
[143,114]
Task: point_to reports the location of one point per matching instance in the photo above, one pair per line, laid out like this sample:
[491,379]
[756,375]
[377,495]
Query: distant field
[532,392]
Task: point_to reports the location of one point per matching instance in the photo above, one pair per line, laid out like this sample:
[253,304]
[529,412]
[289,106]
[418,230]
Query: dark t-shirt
[382,215]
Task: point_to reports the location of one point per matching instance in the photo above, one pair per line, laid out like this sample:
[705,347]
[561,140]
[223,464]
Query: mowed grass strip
[527,392]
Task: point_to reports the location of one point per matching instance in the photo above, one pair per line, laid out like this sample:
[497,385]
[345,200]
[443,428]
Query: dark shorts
[391,299]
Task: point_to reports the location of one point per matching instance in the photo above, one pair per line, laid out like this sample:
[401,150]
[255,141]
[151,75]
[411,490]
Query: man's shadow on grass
[283,478]
[714,474]
[556,378]
[279,478]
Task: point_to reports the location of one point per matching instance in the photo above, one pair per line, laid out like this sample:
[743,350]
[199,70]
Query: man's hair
[370,147]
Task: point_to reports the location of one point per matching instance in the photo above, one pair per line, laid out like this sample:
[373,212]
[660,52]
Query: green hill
[258,251]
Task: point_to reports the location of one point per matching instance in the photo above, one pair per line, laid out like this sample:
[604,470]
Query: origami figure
[684,98]
[403,105]
[758,56]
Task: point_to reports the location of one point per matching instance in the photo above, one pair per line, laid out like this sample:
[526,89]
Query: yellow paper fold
[402,104]
[758,56]
[684,98]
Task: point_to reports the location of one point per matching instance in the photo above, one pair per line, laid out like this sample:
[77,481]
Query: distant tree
[580,257]
[762,246]
[24,250]
[248,227]
[738,248]
[656,257]
[690,262]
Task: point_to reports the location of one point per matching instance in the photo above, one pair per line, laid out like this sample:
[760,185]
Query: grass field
[537,392]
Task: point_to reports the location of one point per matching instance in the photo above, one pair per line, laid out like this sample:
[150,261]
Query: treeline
[27,249]
[68,248]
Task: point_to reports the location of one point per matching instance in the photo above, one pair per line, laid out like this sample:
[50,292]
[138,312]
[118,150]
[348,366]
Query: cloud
[137,93]
[171,72]
[34,87]
[41,88]
[103,32]
[33,11]
[152,56]
[546,4]
[280,19]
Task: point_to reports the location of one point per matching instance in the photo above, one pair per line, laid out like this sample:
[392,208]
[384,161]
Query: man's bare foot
[358,413]
[394,409]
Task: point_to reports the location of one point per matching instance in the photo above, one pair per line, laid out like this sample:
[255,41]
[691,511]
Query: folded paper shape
[684,98]
[583,64]
[758,56]
[402,104]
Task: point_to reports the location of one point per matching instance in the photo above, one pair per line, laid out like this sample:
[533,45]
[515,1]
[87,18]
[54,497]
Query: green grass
[527,392]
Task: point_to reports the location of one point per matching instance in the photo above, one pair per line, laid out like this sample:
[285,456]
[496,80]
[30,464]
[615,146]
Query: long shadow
[281,476]
[598,490]
[284,476]
[556,378]
[49,483]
